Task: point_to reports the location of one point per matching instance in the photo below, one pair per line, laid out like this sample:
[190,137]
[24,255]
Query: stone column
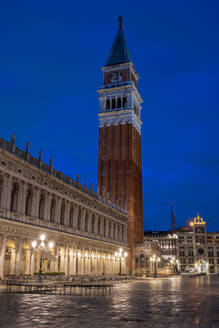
[120,232]
[58,210]
[116,231]
[89,262]
[22,196]
[83,213]
[32,263]
[67,214]
[75,223]
[36,202]
[96,224]
[12,261]
[62,260]
[107,228]
[18,257]
[37,261]
[89,220]
[2,256]
[66,269]
[78,261]
[27,262]
[115,265]
[56,263]
[75,260]
[110,265]
[48,199]
[101,225]
[112,230]
[125,233]
[85,262]
[71,263]
[96,264]
[101,262]
[82,261]
[6,192]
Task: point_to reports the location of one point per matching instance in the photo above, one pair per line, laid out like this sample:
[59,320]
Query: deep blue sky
[50,59]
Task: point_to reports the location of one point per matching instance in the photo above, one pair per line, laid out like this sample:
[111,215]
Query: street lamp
[41,245]
[120,255]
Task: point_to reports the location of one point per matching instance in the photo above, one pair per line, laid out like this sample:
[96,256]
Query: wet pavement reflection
[162,302]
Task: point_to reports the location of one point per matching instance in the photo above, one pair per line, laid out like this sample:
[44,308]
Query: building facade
[35,199]
[119,162]
[198,250]
[159,251]
[188,250]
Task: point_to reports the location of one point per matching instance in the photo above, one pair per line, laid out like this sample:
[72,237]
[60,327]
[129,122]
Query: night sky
[50,58]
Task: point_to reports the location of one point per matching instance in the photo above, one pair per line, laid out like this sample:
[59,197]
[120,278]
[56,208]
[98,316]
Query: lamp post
[41,245]
[120,255]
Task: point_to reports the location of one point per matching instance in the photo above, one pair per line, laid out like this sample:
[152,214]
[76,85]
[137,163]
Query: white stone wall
[22,191]
[26,197]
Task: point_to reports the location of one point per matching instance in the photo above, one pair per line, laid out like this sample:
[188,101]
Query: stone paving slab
[156,303]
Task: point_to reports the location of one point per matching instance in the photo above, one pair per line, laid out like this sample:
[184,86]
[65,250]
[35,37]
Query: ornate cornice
[120,118]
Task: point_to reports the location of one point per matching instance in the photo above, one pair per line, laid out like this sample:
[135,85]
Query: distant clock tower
[119,162]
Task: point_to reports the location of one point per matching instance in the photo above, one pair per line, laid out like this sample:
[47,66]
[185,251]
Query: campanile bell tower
[119,162]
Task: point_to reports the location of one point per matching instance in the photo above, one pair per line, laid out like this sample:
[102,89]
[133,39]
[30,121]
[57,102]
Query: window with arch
[41,206]
[107,104]
[98,226]
[71,220]
[124,102]
[79,218]
[62,214]
[92,223]
[14,197]
[29,200]
[86,222]
[113,103]
[52,210]
[119,103]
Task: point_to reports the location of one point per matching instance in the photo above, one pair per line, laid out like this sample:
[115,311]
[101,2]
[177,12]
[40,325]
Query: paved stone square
[162,302]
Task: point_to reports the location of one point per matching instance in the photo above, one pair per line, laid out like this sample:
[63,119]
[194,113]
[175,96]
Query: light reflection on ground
[161,302]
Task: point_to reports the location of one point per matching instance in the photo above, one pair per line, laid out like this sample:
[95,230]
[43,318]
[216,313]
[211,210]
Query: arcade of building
[88,234]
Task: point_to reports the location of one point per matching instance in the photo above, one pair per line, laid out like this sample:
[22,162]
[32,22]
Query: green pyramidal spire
[119,53]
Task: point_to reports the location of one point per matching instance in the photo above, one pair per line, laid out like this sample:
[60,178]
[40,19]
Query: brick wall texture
[120,173]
